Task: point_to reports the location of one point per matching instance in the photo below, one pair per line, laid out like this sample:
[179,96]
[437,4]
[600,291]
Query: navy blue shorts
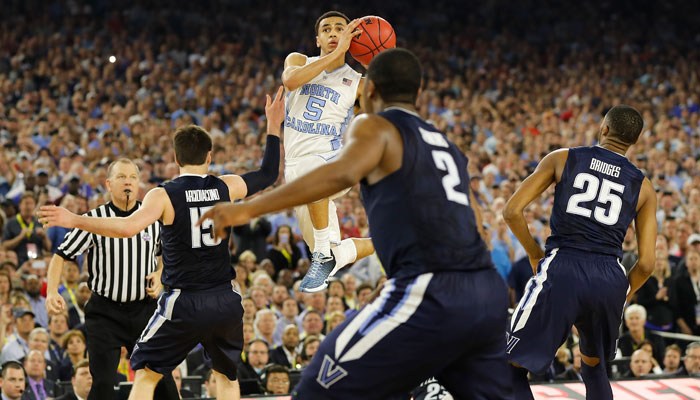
[183,319]
[572,287]
[445,324]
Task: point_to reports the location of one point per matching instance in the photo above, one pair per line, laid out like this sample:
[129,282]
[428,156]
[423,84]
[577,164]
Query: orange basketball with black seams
[377,35]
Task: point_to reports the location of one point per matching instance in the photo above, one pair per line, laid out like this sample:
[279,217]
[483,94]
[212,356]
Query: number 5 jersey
[319,112]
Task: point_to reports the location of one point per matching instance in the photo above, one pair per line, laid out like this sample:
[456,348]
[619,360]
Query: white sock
[322,241]
[345,253]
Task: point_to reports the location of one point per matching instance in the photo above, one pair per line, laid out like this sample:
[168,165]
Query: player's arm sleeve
[258,180]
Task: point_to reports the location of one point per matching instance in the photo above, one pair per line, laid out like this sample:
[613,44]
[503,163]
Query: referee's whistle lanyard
[24,225]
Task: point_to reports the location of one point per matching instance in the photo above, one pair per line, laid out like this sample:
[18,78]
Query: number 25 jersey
[595,201]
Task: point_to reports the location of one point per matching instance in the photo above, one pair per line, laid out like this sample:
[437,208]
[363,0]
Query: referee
[124,278]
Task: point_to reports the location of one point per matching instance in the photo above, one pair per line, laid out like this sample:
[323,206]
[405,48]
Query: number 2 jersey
[595,201]
[419,216]
[319,112]
[192,259]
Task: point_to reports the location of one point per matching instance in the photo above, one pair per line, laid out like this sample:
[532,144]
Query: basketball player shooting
[321,93]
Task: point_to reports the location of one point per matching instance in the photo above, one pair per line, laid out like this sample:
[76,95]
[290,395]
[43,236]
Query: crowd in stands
[85,82]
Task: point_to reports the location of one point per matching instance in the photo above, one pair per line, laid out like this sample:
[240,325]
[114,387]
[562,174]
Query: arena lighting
[112,59]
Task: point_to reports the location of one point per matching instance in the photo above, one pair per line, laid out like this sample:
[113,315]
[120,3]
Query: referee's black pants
[109,326]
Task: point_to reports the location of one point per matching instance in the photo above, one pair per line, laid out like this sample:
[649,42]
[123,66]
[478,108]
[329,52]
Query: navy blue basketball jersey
[192,259]
[419,215]
[595,201]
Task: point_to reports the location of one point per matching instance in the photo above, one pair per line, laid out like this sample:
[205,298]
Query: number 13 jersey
[419,216]
[319,112]
[192,259]
[595,201]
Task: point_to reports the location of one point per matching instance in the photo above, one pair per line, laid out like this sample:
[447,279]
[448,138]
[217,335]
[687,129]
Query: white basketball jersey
[319,112]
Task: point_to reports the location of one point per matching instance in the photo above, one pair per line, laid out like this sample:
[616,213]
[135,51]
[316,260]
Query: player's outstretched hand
[350,32]
[55,303]
[55,216]
[274,111]
[224,215]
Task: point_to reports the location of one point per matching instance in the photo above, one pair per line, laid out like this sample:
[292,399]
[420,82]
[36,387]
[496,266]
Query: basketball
[377,35]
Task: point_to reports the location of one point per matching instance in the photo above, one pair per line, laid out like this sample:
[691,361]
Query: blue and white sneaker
[316,278]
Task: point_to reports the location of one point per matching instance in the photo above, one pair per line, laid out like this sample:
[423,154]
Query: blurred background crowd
[85,82]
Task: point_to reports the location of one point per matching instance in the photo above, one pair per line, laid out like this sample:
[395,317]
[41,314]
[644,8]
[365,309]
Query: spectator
[637,334]
[13,380]
[39,341]
[309,348]
[73,344]
[286,354]
[285,253]
[177,377]
[76,312]
[289,315]
[573,371]
[691,362]
[257,357]
[81,381]
[32,286]
[24,233]
[209,385]
[654,296]
[38,387]
[312,324]
[276,380]
[333,319]
[18,347]
[58,326]
[640,364]
[265,324]
[672,359]
[683,297]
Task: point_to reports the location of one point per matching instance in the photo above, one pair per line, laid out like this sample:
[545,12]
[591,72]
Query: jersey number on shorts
[606,195]
[445,162]
[199,238]
[314,108]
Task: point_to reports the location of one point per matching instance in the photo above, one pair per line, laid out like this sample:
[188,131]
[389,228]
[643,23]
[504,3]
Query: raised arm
[366,142]
[118,227]
[531,188]
[252,182]
[297,72]
[646,230]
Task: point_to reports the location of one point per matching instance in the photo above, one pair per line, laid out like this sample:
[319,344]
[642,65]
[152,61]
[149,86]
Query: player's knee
[590,361]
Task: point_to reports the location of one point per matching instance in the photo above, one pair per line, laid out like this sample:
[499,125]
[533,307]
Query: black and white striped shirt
[117,267]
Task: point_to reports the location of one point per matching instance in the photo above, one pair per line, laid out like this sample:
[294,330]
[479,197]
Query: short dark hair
[625,123]
[276,369]
[329,14]
[397,74]
[81,364]
[192,143]
[12,364]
